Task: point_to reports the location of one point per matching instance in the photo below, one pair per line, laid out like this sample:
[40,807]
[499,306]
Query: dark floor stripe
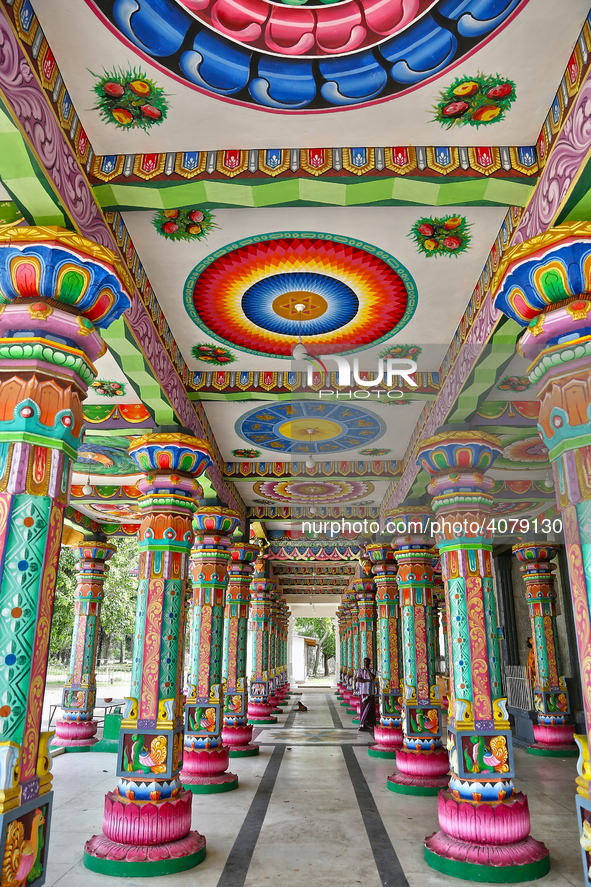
[387,863]
[289,721]
[238,862]
[336,720]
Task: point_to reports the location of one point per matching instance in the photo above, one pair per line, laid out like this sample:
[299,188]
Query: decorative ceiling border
[334,163]
[62,147]
[302,512]
[214,382]
[366,469]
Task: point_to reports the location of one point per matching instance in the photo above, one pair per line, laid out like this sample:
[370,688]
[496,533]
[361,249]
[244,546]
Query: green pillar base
[344,704]
[261,721]
[75,749]
[374,753]
[107,745]
[491,874]
[213,788]
[431,790]
[118,869]
[355,720]
[351,711]
[244,752]
[553,752]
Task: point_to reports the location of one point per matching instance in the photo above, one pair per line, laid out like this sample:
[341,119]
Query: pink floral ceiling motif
[309,491]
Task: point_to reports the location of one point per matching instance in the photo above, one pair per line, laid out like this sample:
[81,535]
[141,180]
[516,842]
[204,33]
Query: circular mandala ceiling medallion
[353,294]
[284,427]
[307,55]
[319,492]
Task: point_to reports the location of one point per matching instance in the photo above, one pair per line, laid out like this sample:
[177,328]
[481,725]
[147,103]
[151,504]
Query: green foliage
[191,223]
[129,99]
[318,627]
[476,101]
[441,236]
[118,609]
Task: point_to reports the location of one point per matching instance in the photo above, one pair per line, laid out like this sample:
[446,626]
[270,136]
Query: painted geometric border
[404,274]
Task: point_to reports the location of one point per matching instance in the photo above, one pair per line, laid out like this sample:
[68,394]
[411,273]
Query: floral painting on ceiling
[184,224]
[441,236]
[475,101]
[214,354]
[108,389]
[129,99]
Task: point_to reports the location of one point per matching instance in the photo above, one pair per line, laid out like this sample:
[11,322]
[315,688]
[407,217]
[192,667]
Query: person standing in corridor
[366,679]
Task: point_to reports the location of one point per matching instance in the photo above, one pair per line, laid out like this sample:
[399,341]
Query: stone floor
[312,809]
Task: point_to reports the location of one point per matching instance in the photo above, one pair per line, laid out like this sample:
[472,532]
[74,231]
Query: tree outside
[321,628]
[118,609]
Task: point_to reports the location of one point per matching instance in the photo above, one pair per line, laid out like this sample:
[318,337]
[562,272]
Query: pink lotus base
[423,764]
[523,852]
[206,767]
[420,782]
[387,738]
[548,736]
[259,710]
[146,822]
[505,822]
[103,848]
[74,733]
[237,737]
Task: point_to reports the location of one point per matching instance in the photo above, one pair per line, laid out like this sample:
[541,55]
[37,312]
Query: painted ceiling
[243,158]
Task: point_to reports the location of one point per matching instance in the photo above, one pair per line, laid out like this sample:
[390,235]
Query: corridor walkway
[312,809]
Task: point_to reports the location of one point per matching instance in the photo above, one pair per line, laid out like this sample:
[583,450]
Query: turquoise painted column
[206,758]
[76,729]
[388,733]
[261,600]
[57,291]
[237,732]
[421,762]
[147,818]
[484,822]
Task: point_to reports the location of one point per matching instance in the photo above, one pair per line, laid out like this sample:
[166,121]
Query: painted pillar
[553,732]
[388,733]
[544,285]
[355,660]
[274,654]
[76,729]
[342,650]
[484,822]
[337,652]
[365,594]
[147,819]
[422,763]
[289,649]
[237,732]
[261,599]
[57,290]
[206,758]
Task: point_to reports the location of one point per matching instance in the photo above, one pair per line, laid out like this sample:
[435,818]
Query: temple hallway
[312,808]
